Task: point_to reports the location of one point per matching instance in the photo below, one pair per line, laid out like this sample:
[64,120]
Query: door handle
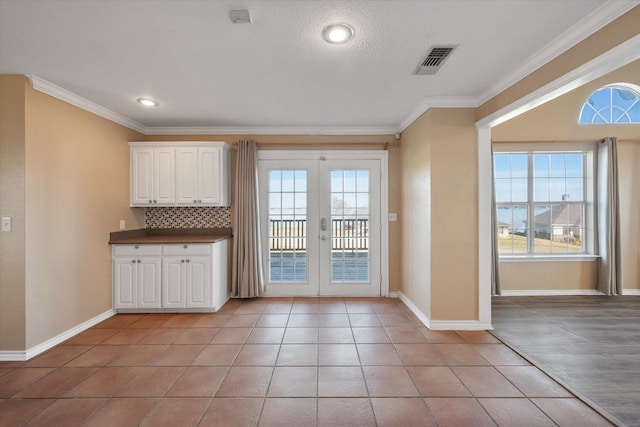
[323,224]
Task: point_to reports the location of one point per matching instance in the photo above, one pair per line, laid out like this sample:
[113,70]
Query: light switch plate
[6,223]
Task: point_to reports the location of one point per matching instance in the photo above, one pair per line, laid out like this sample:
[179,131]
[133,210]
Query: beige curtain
[608,219]
[247,280]
[495,258]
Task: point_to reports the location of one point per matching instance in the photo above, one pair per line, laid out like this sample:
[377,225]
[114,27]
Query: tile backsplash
[187,217]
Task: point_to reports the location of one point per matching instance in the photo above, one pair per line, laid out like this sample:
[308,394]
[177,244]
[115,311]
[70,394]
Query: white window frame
[589,189]
[627,87]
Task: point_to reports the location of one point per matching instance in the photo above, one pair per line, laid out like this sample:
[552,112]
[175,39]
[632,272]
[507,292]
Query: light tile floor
[283,362]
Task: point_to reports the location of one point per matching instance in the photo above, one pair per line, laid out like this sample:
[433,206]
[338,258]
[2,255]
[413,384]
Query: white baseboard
[459,325]
[16,355]
[414,309]
[549,292]
[441,325]
[631,292]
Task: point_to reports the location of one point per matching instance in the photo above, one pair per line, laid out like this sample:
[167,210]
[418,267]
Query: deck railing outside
[291,234]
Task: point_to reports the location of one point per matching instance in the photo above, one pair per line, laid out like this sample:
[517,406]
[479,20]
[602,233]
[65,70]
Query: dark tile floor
[283,362]
[590,344]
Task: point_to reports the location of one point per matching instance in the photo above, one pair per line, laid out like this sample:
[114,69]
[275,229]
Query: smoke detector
[240,17]
[434,59]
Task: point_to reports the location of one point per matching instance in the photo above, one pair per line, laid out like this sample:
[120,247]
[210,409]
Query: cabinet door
[210,175]
[174,289]
[199,285]
[149,283]
[164,178]
[125,283]
[187,176]
[142,176]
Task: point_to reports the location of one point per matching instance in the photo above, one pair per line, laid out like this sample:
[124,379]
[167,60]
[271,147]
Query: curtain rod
[561,141]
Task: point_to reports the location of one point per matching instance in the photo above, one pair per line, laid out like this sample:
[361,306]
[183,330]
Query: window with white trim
[613,104]
[543,202]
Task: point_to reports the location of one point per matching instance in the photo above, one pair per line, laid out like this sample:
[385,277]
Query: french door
[321,225]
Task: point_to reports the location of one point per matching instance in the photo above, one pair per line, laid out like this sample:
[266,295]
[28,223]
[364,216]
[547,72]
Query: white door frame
[380,155]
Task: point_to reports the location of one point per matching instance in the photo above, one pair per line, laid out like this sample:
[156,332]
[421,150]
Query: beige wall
[77,180]
[76,176]
[548,276]
[557,120]
[415,179]
[439,205]
[12,204]
[454,215]
[629,187]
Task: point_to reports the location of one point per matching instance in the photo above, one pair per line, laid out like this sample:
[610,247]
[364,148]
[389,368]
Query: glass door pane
[349,226]
[350,242]
[289,226]
[287,232]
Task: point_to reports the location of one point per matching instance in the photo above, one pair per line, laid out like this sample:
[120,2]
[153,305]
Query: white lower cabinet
[136,279]
[185,282]
[180,277]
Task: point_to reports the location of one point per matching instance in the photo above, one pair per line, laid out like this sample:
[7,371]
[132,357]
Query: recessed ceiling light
[337,33]
[148,102]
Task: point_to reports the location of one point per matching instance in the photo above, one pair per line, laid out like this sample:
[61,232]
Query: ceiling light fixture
[148,102]
[337,33]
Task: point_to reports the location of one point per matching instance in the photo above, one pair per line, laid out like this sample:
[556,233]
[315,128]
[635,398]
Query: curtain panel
[247,279]
[495,255]
[608,219]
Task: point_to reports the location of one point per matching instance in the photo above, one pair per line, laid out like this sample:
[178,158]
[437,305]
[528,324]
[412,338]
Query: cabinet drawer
[187,249]
[137,250]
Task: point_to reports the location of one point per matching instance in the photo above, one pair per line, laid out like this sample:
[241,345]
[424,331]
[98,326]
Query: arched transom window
[618,103]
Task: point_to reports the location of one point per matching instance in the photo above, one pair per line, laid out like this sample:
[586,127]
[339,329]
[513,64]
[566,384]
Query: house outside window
[544,202]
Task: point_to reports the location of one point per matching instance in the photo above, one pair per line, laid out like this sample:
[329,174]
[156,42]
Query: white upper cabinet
[152,176]
[179,174]
[164,176]
[213,176]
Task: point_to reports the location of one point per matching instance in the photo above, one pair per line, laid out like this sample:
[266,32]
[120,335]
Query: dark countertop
[169,235]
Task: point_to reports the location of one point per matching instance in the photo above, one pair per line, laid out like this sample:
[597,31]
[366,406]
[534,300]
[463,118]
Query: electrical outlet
[393,217]
[6,223]
[122,224]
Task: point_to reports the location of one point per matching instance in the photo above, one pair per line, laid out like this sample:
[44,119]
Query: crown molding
[271,130]
[49,88]
[596,20]
[438,102]
[611,60]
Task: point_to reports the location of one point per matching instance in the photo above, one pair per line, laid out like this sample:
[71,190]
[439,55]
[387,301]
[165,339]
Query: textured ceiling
[277,73]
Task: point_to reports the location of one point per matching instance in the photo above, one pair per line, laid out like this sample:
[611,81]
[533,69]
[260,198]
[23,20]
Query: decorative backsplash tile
[187,217]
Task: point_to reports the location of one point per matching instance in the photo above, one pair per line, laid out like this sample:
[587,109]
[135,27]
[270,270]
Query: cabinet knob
[195,201]
[133,261]
[185,246]
[139,261]
[135,247]
[150,201]
[188,260]
[181,260]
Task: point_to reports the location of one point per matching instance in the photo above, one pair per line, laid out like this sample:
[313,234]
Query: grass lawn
[518,244]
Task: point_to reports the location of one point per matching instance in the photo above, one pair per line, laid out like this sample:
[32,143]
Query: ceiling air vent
[434,59]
